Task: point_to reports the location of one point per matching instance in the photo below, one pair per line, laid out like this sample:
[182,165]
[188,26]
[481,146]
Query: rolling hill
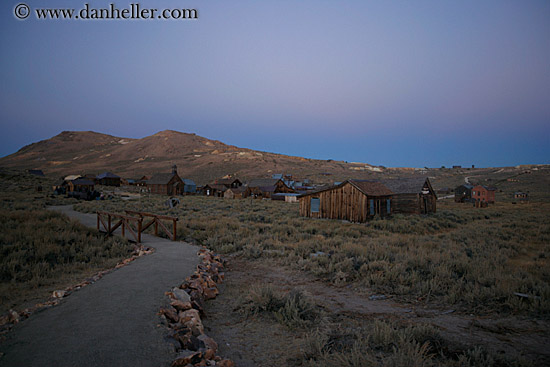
[81,152]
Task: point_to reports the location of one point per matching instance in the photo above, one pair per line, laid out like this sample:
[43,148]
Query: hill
[202,159]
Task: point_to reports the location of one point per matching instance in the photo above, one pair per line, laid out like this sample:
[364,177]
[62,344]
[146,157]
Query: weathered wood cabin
[353,200]
[265,187]
[166,183]
[463,193]
[80,185]
[234,193]
[213,190]
[229,182]
[108,179]
[413,195]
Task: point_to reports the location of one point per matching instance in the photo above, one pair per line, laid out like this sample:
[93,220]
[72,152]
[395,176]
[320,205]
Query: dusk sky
[394,83]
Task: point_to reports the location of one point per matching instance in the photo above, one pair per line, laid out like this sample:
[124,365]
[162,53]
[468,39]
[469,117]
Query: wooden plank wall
[345,202]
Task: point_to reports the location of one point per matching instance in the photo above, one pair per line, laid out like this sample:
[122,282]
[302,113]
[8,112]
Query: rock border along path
[113,322]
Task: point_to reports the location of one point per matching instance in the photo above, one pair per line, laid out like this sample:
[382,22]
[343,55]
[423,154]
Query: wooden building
[265,187]
[229,182]
[166,183]
[483,194]
[108,179]
[463,193]
[234,193]
[413,195]
[80,185]
[189,186]
[520,196]
[213,190]
[353,200]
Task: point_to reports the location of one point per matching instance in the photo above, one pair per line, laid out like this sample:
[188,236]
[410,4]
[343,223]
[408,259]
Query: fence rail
[111,222]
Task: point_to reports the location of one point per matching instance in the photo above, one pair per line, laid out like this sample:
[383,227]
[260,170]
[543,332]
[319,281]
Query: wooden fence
[125,222]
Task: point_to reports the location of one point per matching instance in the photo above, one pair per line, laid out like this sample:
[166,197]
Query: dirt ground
[260,341]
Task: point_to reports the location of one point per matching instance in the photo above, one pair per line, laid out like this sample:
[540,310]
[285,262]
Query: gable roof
[216,187]
[226,181]
[369,188]
[161,178]
[83,182]
[263,182]
[107,175]
[411,185]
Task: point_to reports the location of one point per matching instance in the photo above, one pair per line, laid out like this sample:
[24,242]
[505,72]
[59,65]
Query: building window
[371,203]
[388,206]
[315,204]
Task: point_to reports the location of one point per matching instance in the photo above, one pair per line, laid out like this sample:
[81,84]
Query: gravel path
[112,322]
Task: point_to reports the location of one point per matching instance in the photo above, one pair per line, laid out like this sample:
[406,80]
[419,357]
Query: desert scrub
[42,249]
[293,309]
[471,259]
[387,343]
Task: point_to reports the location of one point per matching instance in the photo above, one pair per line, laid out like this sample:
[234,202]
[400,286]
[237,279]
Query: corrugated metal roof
[188,181]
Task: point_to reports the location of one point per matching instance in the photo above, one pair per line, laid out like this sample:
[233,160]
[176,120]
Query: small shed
[482,193]
[166,183]
[463,193]
[213,190]
[108,179]
[521,196]
[189,186]
[265,187]
[353,200]
[234,193]
[286,197]
[413,195]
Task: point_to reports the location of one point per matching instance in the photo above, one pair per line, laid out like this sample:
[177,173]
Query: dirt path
[112,322]
[251,342]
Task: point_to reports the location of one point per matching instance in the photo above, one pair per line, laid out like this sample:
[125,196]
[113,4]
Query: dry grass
[471,259]
[42,250]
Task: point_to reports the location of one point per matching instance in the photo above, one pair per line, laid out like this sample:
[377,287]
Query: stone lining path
[112,322]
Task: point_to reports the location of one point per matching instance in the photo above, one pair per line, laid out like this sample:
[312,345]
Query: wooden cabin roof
[411,185]
[106,175]
[263,182]
[227,181]
[161,178]
[370,188]
[82,182]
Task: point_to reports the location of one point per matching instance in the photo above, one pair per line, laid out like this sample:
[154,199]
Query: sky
[396,83]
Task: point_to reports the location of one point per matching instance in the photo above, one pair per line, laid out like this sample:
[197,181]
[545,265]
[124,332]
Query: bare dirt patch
[258,340]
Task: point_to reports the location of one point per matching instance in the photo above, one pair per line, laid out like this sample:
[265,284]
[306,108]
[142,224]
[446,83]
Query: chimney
[174,169]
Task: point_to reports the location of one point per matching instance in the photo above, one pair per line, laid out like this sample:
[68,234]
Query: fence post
[139,230]
[174,237]
[156,227]
[97,221]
